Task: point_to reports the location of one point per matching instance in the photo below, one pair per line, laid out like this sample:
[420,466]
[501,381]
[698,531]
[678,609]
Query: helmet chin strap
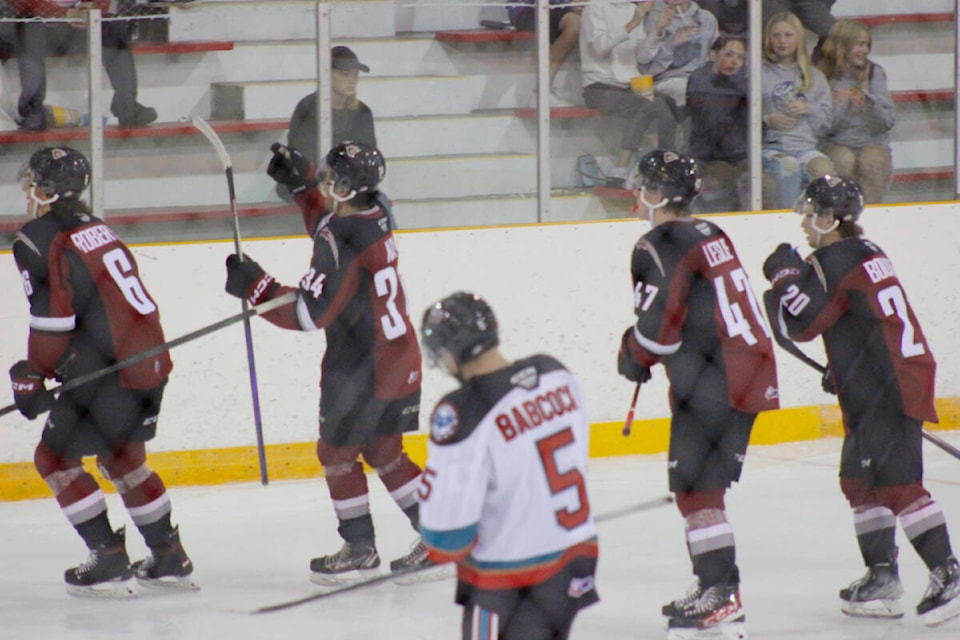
[651,206]
[822,232]
[35,201]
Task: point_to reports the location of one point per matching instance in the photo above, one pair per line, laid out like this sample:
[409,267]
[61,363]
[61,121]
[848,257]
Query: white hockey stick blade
[204,127]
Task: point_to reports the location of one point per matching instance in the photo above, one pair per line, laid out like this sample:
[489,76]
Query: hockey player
[697,314]
[89,309]
[882,370]
[371,371]
[504,490]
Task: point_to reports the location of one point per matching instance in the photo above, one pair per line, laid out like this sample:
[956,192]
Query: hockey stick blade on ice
[260,309]
[204,127]
[386,577]
[788,345]
[628,423]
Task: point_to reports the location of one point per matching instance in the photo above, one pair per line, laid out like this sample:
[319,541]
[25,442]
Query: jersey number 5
[562,481]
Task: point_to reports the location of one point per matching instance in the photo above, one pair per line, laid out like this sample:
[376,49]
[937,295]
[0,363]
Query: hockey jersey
[504,490]
[879,358]
[697,314]
[87,301]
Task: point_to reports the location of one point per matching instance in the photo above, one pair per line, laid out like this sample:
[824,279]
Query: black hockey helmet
[60,171]
[677,177]
[356,167]
[461,324]
[842,195]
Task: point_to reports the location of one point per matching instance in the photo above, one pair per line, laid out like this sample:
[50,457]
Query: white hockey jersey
[504,490]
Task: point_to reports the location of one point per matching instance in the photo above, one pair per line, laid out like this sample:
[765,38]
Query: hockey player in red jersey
[88,310]
[504,490]
[371,371]
[882,370]
[697,315]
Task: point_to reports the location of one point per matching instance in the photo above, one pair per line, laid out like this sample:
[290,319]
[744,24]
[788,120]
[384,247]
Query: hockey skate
[353,563]
[715,615]
[941,601]
[105,574]
[167,566]
[875,595]
[416,567]
[675,607]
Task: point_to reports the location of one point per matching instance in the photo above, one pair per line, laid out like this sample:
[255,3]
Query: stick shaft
[628,423]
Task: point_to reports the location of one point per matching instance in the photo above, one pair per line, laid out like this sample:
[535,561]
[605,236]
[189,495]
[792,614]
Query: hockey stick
[260,309]
[772,306]
[204,127]
[633,406]
[393,575]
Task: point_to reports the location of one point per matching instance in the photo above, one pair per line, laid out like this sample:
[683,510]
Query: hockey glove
[247,279]
[627,367]
[29,391]
[291,168]
[783,263]
[827,383]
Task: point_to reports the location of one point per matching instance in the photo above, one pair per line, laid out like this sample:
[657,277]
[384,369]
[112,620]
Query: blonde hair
[836,49]
[803,59]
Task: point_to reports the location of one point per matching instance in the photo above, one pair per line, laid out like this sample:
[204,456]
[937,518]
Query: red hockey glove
[29,391]
[291,168]
[627,367]
[247,279]
[782,264]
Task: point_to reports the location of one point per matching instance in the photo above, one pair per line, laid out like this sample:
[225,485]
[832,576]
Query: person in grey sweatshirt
[858,143]
[797,111]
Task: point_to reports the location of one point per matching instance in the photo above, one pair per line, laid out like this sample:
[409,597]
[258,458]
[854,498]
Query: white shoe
[557,99]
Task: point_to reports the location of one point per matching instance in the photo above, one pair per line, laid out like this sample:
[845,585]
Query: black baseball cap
[344,59]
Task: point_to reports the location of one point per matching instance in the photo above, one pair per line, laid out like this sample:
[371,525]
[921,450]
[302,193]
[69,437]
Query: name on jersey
[87,240]
[530,414]
[879,269]
[717,252]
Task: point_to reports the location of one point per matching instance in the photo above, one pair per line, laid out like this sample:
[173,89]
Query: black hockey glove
[627,367]
[29,391]
[247,279]
[291,168]
[784,262]
[827,383]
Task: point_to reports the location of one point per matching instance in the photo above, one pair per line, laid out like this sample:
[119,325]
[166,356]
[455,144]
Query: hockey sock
[926,527]
[357,530]
[97,531]
[710,541]
[157,534]
[875,527]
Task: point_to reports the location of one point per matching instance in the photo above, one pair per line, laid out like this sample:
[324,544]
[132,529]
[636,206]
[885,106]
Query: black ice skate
[105,574]
[352,563]
[675,607]
[875,595]
[416,566]
[715,614]
[167,566]
[941,601]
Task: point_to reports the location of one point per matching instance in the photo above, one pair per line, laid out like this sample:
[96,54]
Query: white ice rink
[251,546]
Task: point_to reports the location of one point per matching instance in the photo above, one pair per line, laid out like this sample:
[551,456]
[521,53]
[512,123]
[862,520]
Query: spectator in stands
[611,37]
[718,105]
[36,39]
[564,35]
[679,35]
[797,111]
[858,143]
[814,15]
[733,16]
[352,119]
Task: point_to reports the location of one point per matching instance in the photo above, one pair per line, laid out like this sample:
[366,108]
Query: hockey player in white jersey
[504,492]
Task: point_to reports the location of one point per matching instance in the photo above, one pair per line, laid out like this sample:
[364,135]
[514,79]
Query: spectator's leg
[719,187]
[786,172]
[815,16]
[873,172]
[120,68]
[818,167]
[31,52]
[568,39]
[844,159]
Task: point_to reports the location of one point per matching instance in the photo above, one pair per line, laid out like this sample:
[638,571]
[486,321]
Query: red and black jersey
[697,314]
[849,293]
[87,300]
[354,292]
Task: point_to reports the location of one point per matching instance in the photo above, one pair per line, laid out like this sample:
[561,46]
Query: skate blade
[420,576]
[943,614]
[169,584]
[115,590]
[345,578]
[890,609]
[725,631]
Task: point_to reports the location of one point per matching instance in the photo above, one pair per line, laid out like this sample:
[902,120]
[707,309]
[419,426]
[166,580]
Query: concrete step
[280,20]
